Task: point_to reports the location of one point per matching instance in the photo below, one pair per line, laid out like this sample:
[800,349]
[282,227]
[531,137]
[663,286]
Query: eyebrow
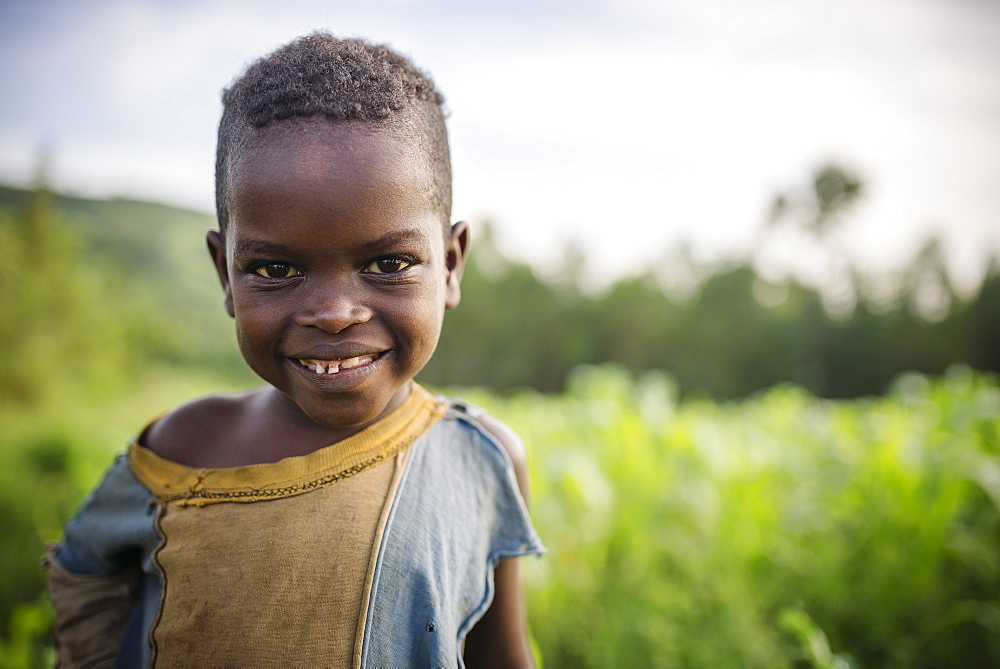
[245,247]
[410,235]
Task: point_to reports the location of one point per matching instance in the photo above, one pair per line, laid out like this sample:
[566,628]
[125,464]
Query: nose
[333,306]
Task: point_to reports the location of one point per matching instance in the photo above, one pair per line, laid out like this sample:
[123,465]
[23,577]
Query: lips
[335,366]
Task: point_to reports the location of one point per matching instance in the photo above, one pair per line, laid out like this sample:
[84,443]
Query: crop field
[776,531]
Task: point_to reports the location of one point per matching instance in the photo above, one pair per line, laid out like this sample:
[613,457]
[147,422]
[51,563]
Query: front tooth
[350,363]
[320,369]
[333,369]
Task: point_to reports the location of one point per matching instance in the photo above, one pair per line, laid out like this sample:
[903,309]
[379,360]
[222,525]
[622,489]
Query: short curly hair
[321,76]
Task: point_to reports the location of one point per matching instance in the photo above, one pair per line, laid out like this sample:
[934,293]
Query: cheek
[421,321]
[256,324]
[432,327]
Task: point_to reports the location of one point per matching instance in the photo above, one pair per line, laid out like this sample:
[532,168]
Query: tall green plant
[778,531]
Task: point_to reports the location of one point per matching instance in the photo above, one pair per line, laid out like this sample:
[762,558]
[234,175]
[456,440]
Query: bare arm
[500,638]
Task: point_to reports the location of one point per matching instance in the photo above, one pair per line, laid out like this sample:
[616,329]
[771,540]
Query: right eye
[276,270]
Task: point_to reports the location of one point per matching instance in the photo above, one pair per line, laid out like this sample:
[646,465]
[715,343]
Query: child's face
[336,267]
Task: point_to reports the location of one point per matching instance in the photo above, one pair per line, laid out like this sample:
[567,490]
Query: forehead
[317,149]
[342,167]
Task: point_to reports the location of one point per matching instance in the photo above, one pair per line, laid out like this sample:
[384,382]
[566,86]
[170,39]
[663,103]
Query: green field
[777,531]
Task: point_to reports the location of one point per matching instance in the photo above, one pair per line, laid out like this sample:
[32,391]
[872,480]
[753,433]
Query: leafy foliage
[778,531]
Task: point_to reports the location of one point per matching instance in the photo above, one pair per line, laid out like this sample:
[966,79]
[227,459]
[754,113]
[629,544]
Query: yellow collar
[183,485]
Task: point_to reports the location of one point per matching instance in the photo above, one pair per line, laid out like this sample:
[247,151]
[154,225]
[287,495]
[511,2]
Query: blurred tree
[983,316]
[818,208]
[835,189]
[816,213]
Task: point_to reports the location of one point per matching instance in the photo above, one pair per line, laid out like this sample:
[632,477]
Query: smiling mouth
[328,367]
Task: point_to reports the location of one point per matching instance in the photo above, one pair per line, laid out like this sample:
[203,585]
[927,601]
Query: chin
[333,416]
[342,413]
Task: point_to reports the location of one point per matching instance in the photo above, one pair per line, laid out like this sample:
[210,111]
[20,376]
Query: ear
[217,249]
[455,251]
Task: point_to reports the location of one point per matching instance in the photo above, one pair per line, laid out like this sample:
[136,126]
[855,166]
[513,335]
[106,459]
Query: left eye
[388,265]
[276,270]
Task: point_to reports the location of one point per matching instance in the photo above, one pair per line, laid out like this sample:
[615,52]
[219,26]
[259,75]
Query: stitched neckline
[184,485]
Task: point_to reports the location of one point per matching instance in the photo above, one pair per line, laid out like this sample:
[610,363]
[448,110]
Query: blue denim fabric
[457,513]
[114,526]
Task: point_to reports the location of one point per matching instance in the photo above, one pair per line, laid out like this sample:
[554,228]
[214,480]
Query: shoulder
[511,443]
[180,433]
[507,438]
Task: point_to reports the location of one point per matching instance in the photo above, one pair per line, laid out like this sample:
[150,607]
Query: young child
[340,515]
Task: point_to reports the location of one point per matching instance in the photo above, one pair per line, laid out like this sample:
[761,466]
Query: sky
[630,129]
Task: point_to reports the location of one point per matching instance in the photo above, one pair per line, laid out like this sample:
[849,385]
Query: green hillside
[155,254]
